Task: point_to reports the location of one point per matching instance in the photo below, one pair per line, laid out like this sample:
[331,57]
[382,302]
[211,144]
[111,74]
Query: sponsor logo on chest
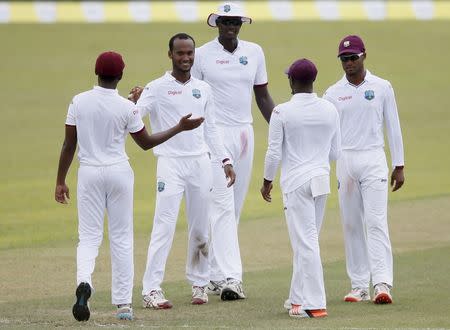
[221,62]
[174,92]
[344,98]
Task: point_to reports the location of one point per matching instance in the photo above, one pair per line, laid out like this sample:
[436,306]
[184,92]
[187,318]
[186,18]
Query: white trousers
[363,194]
[110,188]
[304,215]
[224,255]
[178,176]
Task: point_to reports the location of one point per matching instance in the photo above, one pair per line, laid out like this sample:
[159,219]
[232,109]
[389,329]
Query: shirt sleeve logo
[196,93]
[369,94]
[161,186]
[243,60]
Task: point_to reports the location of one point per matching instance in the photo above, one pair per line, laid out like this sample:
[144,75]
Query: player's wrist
[267,182]
[226,161]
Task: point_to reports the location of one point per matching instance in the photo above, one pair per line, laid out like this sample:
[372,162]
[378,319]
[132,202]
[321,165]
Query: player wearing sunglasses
[365,104]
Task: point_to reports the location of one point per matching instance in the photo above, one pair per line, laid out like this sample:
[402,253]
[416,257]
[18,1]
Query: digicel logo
[222,62]
[344,98]
[174,92]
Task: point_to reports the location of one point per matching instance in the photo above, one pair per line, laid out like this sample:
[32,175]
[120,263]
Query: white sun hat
[228,9]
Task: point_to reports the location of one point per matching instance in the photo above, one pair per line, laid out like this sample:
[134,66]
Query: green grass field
[43,66]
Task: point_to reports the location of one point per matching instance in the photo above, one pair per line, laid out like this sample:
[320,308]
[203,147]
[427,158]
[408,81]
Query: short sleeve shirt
[232,77]
[103,119]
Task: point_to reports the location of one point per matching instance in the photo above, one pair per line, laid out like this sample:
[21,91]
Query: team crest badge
[338,184]
[369,94]
[226,8]
[196,93]
[243,60]
[346,43]
[161,186]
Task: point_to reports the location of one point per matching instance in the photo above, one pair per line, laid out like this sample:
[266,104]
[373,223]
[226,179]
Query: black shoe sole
[228,294]
[80,310]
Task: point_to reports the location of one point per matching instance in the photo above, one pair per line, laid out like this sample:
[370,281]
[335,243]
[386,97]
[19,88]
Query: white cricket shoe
[287,304]
[199,295]
[357,295]
[382,294]
[232,290]
[124,312]
[214,287]
[156,300]
[296,311]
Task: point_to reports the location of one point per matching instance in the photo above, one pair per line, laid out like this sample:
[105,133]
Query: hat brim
[350,51]
[212,19]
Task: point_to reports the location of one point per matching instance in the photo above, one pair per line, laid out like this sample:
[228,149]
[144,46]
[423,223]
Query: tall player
[184,168]
[234,68]
[99,120]
[304,135]
[365,103]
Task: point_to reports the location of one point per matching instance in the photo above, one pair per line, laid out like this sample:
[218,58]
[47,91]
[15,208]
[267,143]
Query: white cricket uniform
[232,77]
[105,181]
[304,135]
[184,167]
[362,174]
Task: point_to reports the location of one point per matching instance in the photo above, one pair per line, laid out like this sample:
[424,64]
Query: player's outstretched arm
[65,159]
[146,141]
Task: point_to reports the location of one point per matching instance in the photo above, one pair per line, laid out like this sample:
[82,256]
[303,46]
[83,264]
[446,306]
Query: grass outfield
[40,293]
[43,66]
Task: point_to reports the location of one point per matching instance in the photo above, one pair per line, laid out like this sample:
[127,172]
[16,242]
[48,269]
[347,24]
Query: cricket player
[234,68]
[304,135]
[99,120]
[365,103]
[184,168]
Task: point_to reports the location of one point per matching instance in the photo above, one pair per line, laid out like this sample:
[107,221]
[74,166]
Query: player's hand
[397,178]
[135,94]
[229,174]
[187,124]
[265,190]
[61,193]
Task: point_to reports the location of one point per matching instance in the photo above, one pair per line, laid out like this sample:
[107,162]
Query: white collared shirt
[304,135]
[363,110]
[166,100]
[103,119]
[232,77]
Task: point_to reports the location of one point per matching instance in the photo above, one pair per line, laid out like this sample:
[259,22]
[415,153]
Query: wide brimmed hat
[229,9]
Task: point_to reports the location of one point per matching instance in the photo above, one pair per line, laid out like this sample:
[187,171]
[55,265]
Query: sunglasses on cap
[350,57]
[229,21]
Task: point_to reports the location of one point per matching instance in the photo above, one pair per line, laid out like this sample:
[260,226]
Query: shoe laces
[381,287]
[233,281]
[198,291]
[157,294]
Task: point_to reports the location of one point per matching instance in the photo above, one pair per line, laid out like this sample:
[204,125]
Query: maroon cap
[352,45]
[302,70]
[109,64]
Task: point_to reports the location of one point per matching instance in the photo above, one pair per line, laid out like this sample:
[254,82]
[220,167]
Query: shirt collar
[304,96]
[368,78]
[106,90]
[219,45]
[168,76]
